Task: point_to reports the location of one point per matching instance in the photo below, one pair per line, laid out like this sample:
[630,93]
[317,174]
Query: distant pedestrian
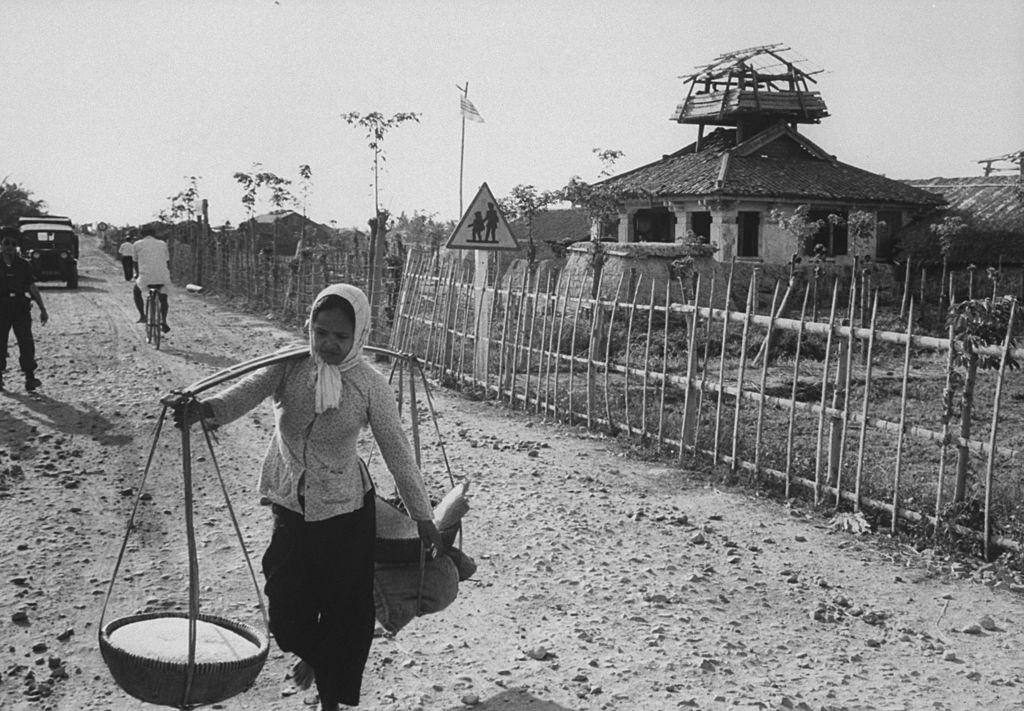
[17,292]
[125,251]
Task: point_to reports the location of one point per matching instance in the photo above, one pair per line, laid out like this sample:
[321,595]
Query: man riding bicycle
[152,268]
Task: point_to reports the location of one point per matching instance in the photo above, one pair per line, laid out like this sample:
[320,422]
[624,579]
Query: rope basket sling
[222,657]
[397,535]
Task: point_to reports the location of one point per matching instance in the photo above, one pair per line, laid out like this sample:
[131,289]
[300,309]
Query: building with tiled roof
[991,208]
[724,187]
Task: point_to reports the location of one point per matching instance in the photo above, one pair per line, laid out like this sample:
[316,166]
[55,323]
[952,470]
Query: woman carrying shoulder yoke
[320,561]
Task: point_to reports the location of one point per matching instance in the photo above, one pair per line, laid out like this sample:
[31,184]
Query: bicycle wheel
[153,331]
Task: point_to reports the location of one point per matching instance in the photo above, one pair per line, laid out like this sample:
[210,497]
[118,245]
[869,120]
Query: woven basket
[398,538]
[161,682]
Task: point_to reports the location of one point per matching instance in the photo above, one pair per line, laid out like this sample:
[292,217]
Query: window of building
[748,227]
[831,238]
[656,224]
[700,225]
[888,226]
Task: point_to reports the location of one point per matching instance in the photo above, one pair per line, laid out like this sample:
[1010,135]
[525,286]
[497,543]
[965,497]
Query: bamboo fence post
[751,298]
[482,341]
[865,404]
[947,413]
[529,347]
[966,417]
[906,291]
[517,349]
[970,280]
[502,350]
[903,419]
[773,314]
[467,343]
[792,396]
[704,360]
[542,347]
[647,361]
[416,320]
[990,465]
[403,293]
[404,319]
[629,341]
[922,300]
[687,433]
[572,350]
[556,348]
[942,282]
[432,325]
[721,362]
[664,359]
[461,308]
[841,401]
[426,318]
[816,277]
[596,319]
[608,353]
[824,393]
[447,340]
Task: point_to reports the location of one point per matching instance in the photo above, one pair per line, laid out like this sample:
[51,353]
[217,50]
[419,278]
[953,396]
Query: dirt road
[603,583]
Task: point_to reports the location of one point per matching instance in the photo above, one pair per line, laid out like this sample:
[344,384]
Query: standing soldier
[126,250]
[17,287]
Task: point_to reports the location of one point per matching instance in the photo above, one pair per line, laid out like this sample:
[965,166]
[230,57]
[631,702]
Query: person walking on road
[125,252]
[320,562]
[17,292]
[152,266]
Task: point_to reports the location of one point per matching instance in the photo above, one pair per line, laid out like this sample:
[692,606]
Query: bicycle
[154,320]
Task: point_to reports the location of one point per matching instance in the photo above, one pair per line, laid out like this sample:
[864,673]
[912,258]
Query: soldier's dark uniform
[16,314]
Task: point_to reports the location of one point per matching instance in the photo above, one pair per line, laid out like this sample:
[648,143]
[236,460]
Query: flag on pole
[469,111]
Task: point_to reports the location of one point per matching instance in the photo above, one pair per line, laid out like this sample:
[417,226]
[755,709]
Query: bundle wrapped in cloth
[402,588]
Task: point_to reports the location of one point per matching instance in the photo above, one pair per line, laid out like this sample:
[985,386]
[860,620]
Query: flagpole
[462,144]
[480,268]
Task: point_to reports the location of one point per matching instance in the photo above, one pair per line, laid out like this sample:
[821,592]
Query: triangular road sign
[483,226]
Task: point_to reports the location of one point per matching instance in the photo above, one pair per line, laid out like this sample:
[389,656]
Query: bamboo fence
[849,415]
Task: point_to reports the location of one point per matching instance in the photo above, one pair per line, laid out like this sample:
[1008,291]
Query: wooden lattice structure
[994,165]
[751,89]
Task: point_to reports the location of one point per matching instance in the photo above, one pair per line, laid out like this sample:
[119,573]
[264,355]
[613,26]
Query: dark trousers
[320,589]
[129,269]
[140,304]
[17,317]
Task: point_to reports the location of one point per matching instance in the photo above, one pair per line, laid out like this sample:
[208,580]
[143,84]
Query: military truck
[50,243]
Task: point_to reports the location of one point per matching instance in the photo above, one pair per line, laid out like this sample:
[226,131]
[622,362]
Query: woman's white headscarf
[328,385]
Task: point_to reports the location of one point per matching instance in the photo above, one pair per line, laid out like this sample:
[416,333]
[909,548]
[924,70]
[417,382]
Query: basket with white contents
[148,656]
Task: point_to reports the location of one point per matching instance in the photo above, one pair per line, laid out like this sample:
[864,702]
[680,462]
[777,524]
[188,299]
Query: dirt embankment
[603,583]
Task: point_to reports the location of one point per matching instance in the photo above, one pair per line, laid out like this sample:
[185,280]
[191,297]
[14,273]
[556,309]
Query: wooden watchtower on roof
[751,89]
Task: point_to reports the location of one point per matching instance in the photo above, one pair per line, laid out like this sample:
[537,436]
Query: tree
[601,201]
[17,201]
[522,204]
[377,127]
[423,228]
[975,323]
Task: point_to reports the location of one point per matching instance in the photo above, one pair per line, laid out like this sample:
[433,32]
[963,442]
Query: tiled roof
[995,201]
[798,173]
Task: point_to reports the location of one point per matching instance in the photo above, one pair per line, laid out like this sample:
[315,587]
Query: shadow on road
[513,700]
[64,417]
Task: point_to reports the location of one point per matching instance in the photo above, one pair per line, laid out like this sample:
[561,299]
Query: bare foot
[302,675]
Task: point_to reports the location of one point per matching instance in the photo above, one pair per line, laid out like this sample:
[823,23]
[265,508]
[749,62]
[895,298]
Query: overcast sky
[108,106]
